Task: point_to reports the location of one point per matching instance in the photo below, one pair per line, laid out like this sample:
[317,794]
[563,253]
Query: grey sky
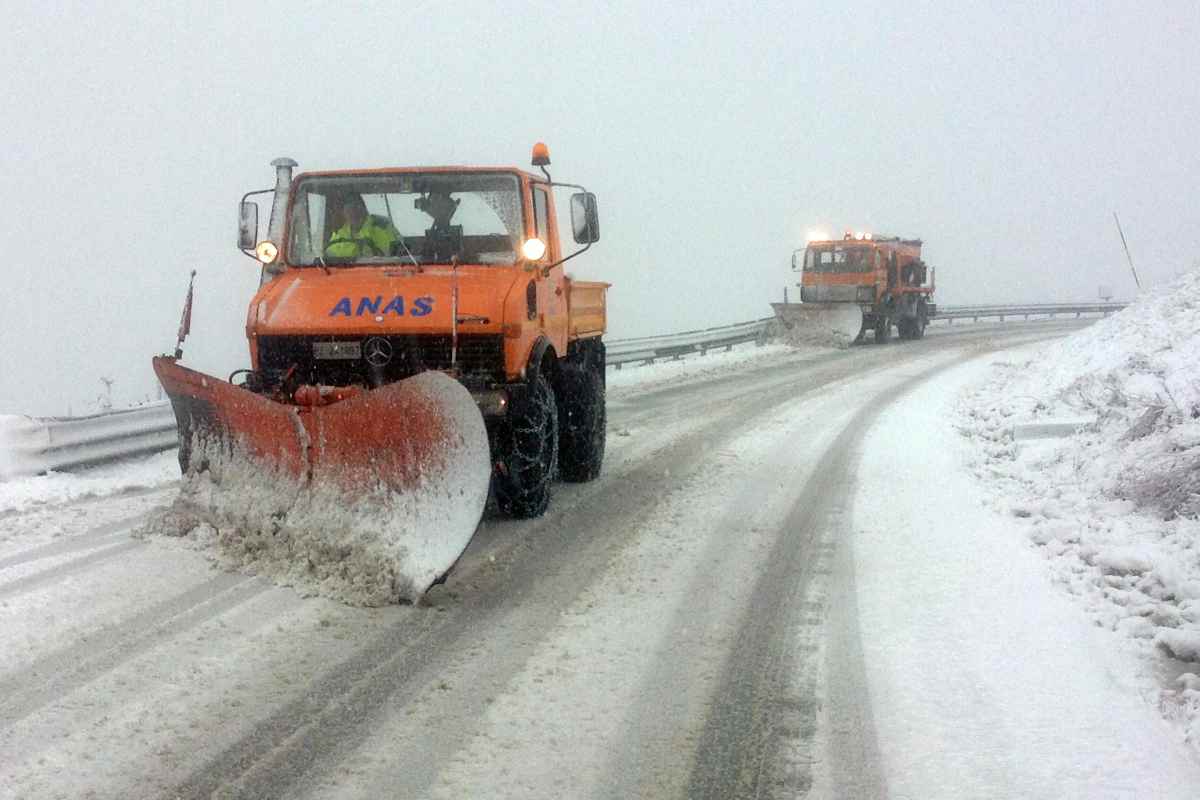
[714,136]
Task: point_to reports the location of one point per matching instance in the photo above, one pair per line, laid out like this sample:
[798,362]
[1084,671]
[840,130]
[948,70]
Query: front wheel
[528,452]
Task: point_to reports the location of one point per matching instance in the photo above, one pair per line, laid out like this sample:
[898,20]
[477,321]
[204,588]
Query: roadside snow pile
[21,494]
[1116,507]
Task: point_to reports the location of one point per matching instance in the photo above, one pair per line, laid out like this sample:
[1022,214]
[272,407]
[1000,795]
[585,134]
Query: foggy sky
[715,137]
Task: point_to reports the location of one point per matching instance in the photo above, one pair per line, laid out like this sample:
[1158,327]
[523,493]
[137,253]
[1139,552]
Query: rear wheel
[919,323]
[582,423]
[883,330]
[528,450]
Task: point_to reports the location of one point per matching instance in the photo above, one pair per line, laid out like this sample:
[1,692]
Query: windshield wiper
[399,236]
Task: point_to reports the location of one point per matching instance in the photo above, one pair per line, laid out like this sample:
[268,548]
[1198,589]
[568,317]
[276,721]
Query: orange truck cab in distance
[371,276]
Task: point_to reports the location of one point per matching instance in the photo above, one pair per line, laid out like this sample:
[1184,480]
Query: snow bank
[55,488]
[1115,507]
[984,681]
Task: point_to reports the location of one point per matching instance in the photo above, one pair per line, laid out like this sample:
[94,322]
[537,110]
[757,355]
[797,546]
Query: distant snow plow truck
[857,284]
[414,339]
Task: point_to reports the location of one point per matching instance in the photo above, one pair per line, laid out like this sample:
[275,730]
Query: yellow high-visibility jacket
[374,238]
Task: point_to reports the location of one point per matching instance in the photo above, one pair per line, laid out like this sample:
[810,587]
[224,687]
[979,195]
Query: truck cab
[372,276]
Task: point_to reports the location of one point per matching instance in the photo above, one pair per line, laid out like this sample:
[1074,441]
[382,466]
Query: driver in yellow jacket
[363,234]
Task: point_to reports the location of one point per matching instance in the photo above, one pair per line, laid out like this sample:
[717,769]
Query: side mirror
[585,219]
[247,225]
[797,260]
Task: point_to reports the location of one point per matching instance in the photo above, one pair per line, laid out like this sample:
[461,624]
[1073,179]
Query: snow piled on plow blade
[361,537]
[827,324]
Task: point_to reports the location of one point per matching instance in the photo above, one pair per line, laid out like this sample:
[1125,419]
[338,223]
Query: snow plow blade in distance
[829,324]
[374,495]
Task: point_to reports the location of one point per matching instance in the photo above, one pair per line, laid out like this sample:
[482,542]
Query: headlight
[533,249]
[267,252]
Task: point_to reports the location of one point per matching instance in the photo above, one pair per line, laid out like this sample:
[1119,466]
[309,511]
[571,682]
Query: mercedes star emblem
[377,351]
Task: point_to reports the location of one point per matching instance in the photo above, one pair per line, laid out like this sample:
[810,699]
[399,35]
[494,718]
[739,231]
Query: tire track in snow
[89,540]
[57,674]
[30,582]
[754,712]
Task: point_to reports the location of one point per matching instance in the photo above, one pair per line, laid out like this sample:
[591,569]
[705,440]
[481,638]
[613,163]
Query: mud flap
[369,500]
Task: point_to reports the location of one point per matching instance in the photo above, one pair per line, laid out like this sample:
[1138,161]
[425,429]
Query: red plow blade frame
[373,498]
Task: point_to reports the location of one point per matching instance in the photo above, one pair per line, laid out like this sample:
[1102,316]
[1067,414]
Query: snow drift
[1115,507]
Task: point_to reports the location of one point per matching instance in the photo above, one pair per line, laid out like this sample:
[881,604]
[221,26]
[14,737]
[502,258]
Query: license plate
[337,350]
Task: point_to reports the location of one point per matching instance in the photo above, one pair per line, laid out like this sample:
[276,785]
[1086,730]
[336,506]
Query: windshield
[417,218]
[837,258]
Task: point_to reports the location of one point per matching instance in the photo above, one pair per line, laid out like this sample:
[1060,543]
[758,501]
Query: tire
[883,330]
[582,423]
[918,329]
[528,449]
[905,328]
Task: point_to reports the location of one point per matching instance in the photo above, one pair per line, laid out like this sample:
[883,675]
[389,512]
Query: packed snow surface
[1113,508]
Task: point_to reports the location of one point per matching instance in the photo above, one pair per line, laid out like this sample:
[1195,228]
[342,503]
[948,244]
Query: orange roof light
[541,155]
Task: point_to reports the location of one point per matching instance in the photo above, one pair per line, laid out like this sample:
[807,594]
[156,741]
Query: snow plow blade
[829,324]
[369,499]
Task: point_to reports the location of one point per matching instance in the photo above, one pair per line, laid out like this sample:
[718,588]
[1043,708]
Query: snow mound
[1115,506]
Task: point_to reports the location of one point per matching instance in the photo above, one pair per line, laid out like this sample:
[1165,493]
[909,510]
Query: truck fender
[540,355]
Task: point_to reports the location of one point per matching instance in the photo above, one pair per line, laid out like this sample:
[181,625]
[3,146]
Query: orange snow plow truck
[861,283]
[414,341]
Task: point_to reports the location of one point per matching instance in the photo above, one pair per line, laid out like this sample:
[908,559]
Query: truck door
[552,302]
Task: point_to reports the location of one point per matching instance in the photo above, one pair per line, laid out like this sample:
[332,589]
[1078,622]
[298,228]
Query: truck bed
[586,306]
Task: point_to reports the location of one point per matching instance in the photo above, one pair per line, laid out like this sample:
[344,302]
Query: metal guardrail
[648,349]
[1026,311]
[29,446]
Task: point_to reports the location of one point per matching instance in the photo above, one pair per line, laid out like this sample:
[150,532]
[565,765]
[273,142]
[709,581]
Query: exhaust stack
[283,184]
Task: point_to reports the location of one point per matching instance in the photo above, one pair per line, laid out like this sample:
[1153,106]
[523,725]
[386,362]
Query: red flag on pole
[185,322]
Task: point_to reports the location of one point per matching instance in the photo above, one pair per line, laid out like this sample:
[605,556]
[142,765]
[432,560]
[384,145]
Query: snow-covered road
[752,601]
